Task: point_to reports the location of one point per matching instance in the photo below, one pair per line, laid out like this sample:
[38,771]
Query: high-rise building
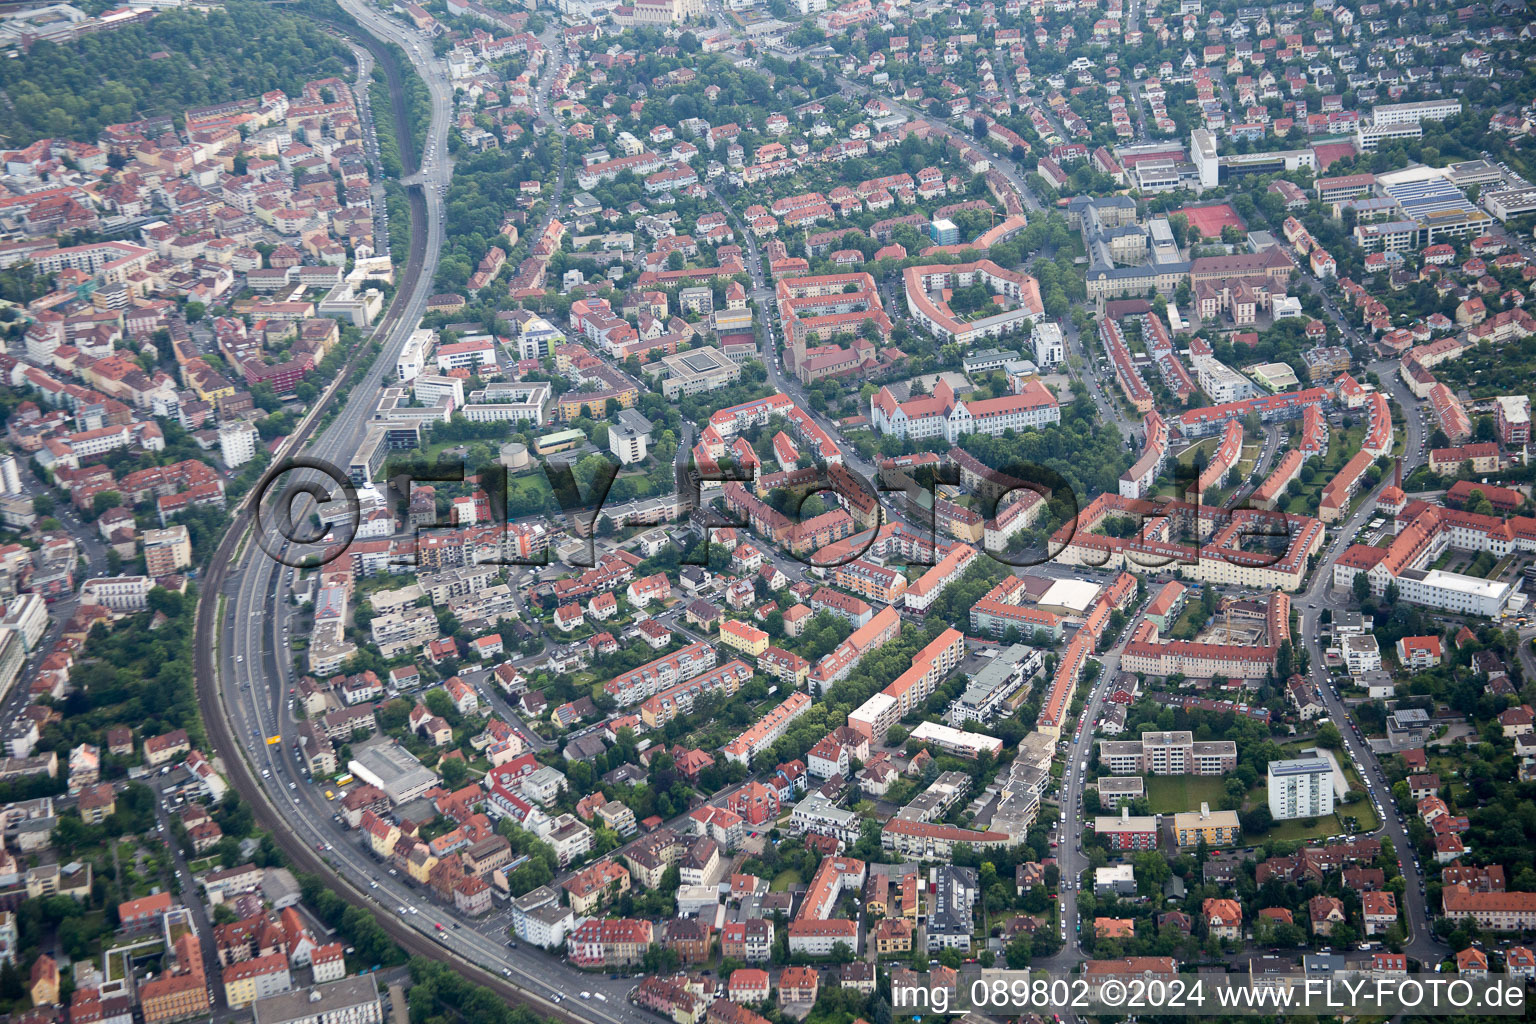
[237,443]
[167,550]
[10,475]
[1300,788]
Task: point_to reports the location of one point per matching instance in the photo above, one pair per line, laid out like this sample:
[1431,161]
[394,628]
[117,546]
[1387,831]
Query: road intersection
[254,626]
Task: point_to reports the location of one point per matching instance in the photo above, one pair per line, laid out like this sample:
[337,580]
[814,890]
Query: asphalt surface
[1319,594]
[243,664]
[243,631]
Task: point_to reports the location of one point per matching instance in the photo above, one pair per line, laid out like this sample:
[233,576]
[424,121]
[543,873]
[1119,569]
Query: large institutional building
[1425,533]
[818,310]
[943,414]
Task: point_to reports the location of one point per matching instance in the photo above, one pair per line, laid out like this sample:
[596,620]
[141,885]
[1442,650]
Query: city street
[253,659]
[254,643]
[1319,595]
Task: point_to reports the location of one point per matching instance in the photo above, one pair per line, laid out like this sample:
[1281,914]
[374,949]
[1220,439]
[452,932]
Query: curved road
[1309,603]
[242,652]
[1421,945]
[243,636]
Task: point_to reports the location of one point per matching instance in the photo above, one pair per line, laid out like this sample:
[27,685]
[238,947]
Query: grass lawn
[1342,447]
[1297,830]
[432,450]
[783,880]
[530,485]
[1186,458]
[1245,461]
[1206,447]
[1170,794]
[1189,621]
[1482,565]
[1352,777]
[1363,811]
[1450,774]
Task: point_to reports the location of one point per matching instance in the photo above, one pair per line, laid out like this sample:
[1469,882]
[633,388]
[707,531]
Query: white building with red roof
[944,414]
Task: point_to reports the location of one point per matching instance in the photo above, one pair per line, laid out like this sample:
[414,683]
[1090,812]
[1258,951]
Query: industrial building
[389,766]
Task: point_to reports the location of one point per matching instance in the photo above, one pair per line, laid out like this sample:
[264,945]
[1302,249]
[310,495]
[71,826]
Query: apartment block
[1168,753]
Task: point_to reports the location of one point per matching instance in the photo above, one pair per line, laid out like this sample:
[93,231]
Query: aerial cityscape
[765,511]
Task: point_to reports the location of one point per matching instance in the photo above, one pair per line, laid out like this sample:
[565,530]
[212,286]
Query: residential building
[1300,788]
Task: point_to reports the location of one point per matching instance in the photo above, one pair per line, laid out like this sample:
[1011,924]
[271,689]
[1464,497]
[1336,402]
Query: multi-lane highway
[243,661]
[245,671]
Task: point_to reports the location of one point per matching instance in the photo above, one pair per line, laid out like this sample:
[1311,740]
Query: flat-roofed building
[1300,788]
[953,741]
[352,1000]
[875,716]
[1115,791]
[1413,113]
[1126,831]
[1216,828]
[1505,203]
[1168,753]
[694,371]
[998,680]
[389,766]
[167,550]
[1512,418]
[631,438]
[1176,753]
[1455,592]
[509,401]
[1121,757]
